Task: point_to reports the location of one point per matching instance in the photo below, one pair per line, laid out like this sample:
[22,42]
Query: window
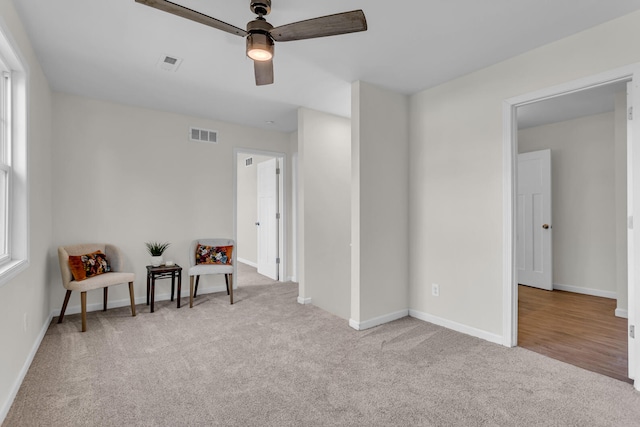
[14,248]
[5,163]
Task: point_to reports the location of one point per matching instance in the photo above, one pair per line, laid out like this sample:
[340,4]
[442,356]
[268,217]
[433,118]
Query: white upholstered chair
[196,270]
[115,277]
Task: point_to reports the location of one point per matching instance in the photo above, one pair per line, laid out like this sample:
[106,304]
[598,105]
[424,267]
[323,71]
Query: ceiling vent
[169,63]
[203,135]
[248,161]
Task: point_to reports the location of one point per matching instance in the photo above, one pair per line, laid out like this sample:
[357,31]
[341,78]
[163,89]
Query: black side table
[163,272]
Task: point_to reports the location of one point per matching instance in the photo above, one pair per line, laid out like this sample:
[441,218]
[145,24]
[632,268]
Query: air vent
[169,63]
[248,161]
[203,135]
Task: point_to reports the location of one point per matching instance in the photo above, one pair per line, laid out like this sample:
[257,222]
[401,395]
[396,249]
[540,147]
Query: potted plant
[156,250]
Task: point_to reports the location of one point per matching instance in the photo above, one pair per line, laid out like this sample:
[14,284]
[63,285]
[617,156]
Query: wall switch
[435,290]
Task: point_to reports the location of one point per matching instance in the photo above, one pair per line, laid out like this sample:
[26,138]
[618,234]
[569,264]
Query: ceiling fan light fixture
[259,47]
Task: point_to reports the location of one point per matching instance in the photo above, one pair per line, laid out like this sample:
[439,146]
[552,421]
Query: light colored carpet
[248,276]
[269,361]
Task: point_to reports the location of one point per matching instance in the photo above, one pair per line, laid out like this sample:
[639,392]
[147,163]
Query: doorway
[259,215]
[574,319]
[510,145]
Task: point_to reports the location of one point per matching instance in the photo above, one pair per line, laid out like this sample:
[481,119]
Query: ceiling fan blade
[330,25]
[264,72]
[187,13]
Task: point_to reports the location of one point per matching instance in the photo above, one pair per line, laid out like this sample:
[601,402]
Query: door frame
[282,201]
[510,159]
[294,217]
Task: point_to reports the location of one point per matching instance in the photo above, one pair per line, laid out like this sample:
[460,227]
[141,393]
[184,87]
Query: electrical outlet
[435,290]
[26,322]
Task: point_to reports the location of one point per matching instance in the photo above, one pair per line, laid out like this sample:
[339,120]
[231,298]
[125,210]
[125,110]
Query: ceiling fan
[261,35]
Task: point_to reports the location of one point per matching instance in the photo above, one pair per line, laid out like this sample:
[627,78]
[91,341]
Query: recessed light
[270,122]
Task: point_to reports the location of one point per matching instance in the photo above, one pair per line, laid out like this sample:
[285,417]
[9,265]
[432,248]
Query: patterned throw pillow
[214,254]
[88,265]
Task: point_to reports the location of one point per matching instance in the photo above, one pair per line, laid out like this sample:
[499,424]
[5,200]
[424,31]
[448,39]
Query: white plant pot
[157,261]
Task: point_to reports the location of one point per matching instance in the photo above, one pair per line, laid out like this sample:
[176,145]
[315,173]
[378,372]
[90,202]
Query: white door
[267,222]
[533,238]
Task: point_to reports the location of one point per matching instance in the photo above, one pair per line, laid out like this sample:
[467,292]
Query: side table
[163,272]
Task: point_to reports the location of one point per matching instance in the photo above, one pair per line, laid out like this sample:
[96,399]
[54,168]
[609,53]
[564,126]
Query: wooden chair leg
[179,294]
[83,305]
[195,293]
[133,299]
[64,306]
[104,298]
[190,291]
[226,279]
[231,288]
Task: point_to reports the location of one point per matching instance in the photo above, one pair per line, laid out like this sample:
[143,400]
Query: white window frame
[14,159]
[5,160]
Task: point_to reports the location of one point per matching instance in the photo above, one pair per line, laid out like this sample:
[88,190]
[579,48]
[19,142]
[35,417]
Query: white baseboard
[458,327]
[376,321]
[585,291]
[249,263]
[4,410]
[304,300]
[621,312]
[139,300]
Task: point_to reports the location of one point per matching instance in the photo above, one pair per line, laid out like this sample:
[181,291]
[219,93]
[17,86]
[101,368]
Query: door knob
[545,226]
[257,223]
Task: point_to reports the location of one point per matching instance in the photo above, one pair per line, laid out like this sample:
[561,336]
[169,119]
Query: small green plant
[157,249]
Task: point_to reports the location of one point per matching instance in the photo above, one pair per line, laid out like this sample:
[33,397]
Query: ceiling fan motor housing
[261,7]
[259,39]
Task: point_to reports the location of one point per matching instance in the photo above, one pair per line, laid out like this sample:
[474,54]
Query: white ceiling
[109,49]
[586,102]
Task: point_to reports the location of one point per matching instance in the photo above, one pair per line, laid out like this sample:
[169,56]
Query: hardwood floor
[578,329]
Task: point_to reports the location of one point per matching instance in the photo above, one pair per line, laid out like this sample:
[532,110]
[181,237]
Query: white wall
[583,200]
[28,293]
[379,205]
[248,207]
[324,150]
[456,172]
[127,175]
